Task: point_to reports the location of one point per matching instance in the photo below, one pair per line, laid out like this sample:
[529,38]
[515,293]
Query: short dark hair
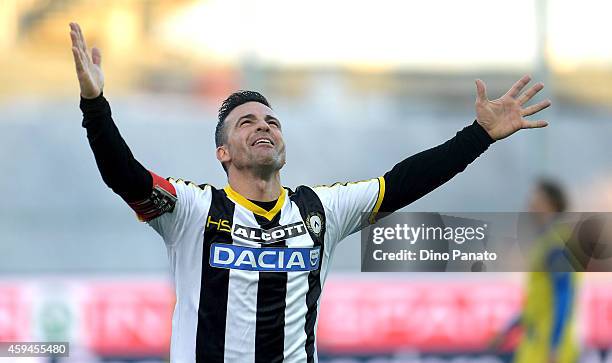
[554,193]
[234,100]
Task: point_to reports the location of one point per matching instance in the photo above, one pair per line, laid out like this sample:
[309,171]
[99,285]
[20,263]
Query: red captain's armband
[162,200]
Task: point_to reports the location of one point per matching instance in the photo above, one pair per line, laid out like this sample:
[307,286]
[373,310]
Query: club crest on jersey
[265,236]
[268,259]
[314,223]
[314,257]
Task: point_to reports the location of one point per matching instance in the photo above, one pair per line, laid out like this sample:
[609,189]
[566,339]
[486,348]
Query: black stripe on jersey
[212,310]
[271,304]
[309,203]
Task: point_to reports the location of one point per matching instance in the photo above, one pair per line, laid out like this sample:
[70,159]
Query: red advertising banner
[432,316]
[133,317]
[14,313]
[596,314]
[128,318]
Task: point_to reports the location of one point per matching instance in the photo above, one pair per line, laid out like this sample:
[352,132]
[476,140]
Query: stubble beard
[263,166]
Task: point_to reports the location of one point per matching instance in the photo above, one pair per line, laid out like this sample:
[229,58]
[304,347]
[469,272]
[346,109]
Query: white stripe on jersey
[241,303]
[295,299]
[295,316]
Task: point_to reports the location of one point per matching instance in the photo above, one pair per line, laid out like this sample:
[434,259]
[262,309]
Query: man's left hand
[504,116]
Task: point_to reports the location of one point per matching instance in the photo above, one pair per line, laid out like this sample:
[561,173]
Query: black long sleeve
[118,167]
[419,174]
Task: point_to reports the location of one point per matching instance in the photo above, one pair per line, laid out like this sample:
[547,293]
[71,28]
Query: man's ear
[223,154]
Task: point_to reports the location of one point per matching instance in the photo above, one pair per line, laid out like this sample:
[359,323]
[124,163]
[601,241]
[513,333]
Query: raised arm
[148,194]
[419,174]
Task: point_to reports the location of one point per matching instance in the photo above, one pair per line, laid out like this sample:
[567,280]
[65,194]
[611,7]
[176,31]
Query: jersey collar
[269,215]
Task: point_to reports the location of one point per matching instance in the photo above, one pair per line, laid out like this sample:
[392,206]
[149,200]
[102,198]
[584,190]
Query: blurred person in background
[547,319]
[249,261]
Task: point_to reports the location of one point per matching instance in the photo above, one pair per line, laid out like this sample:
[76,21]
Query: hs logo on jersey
[268,259]
[222,225]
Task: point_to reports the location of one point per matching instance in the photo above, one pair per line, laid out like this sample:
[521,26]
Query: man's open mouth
[263,141]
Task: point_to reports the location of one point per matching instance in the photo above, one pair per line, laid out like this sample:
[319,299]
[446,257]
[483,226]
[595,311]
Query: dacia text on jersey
[269,259]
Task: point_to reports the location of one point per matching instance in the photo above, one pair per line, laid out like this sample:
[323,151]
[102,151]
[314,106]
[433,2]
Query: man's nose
[262,125]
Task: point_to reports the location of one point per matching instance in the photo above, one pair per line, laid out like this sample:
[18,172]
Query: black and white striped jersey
[249,280]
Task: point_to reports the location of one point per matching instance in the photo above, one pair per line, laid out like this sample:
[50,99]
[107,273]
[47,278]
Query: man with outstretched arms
[249,260]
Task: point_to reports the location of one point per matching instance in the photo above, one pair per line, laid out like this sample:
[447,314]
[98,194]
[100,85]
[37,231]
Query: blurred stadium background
[359,86]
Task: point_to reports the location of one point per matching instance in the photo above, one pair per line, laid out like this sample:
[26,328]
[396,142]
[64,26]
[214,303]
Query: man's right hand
[89,71]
